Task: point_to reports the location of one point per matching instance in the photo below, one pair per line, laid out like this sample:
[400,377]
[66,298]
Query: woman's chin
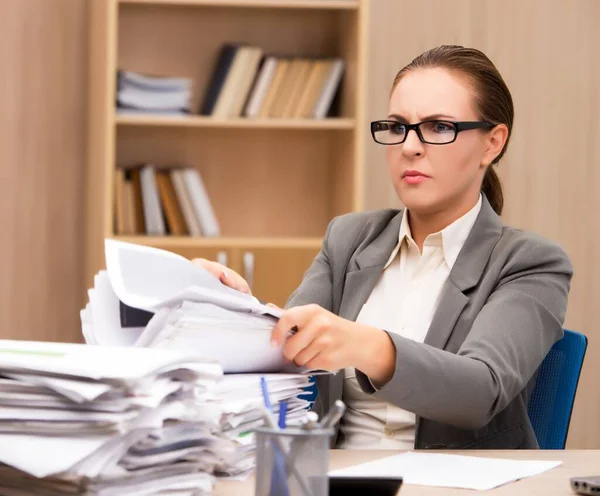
[418,201]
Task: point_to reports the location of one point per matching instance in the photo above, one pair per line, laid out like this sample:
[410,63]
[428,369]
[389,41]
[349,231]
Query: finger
[272,305]
[232,279]
[227,276]
[299,342]
[321,362]
[307,354]
[215,268]
[294,317]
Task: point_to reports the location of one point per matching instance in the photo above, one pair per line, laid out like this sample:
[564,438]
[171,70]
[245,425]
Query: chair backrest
[553,395]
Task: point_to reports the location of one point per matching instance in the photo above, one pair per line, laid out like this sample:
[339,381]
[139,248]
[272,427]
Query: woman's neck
[424,224]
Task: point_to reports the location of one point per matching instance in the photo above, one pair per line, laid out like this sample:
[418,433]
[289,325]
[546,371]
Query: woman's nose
[412,145]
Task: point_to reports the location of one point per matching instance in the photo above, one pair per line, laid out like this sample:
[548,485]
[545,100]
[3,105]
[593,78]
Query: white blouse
[403,301]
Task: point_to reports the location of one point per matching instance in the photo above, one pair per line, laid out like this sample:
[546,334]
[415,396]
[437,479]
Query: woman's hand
[326,341]
[227,276]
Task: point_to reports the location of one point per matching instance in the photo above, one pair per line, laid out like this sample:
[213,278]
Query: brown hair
[492,98]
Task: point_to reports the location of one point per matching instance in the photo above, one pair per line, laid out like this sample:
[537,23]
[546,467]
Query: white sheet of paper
[126,363]
[36,455]
[146,277]
[78,391]
[104,307]
[442,470]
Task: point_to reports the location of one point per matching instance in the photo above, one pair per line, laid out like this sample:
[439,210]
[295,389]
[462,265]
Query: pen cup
[301,470]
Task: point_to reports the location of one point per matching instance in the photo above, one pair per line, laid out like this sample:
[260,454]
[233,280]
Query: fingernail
[225,274]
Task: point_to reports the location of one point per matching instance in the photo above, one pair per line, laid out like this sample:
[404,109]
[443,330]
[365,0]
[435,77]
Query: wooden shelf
[222,242]
[279,4]
[210,122]
[274,183]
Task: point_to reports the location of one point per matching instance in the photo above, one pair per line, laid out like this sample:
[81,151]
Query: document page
[433,469]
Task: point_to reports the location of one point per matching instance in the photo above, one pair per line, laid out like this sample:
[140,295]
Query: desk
[552,483]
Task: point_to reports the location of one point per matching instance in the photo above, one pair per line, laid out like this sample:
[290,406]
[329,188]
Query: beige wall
[42,138]
[547,50]
[544,48]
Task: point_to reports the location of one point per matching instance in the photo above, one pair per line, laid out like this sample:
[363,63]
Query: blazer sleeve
[509,338]
[316,285]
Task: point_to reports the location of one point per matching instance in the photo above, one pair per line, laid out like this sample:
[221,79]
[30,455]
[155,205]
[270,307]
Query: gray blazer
[501,310]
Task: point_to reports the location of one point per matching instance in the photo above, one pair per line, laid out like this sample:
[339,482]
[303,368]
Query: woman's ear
[494,144]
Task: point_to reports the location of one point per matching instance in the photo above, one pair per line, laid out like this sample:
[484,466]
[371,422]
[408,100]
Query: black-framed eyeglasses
[435,132]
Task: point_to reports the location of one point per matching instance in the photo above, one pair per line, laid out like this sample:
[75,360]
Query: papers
[238,401]
[189,309]
[150,278]
[102,419]
[432,469]
[74,361]
[239,342]
[151,298]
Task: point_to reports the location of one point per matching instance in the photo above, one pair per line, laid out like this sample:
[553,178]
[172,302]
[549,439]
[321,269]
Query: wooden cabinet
[274,273]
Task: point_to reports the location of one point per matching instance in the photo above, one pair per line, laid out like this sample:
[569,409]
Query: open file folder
[189,308]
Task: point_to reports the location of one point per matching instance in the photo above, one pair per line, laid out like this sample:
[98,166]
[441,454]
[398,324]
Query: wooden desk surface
[552,483]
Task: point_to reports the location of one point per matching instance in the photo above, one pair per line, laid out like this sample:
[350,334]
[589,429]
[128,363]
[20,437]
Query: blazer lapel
[370,262]
[465,274]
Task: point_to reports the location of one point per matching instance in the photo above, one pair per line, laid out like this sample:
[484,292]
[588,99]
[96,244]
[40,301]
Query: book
[173,213]
[329,90]
[152,93]
[137,201]
[253,56]
[261,86]
[201,203]
[153,214]
[119,201]
[222,66]
[185,202]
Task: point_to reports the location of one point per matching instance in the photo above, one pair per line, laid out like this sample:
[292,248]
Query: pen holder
[292,462]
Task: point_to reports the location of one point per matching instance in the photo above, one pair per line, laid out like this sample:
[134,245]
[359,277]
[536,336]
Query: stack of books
[163,202]
[247,82]
[140,93]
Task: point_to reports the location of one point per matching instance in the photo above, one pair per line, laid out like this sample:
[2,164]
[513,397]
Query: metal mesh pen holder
[292,462]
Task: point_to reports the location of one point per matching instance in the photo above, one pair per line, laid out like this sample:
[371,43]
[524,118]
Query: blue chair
[553,395]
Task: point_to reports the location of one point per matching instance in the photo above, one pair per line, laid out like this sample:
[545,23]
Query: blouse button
[389,433]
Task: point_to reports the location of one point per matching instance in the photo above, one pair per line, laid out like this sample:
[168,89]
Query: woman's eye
[442,127]
[398,129]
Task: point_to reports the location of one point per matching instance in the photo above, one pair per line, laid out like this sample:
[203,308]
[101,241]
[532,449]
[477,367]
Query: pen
[283,408]
[333,415]
[310,421]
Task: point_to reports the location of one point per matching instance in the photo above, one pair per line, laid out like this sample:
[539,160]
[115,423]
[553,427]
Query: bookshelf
[274,183]
[242,122]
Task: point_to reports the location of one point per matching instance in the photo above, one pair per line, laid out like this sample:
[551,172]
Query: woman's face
[432,178]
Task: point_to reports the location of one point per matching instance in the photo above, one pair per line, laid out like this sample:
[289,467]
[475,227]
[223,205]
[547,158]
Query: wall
[544,49]
[547,52]
[42,138]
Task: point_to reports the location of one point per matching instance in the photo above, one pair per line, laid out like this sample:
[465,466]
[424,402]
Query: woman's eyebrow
[431,117]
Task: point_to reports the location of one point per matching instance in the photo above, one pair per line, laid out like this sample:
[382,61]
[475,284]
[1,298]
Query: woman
[436,317]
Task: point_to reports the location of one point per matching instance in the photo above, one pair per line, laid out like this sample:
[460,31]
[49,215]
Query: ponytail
[492,189]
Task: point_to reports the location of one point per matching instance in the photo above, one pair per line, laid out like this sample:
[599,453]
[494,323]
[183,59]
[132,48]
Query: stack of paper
[142,93]
[153,298]
[91,419]
[239,399]
[149,297]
